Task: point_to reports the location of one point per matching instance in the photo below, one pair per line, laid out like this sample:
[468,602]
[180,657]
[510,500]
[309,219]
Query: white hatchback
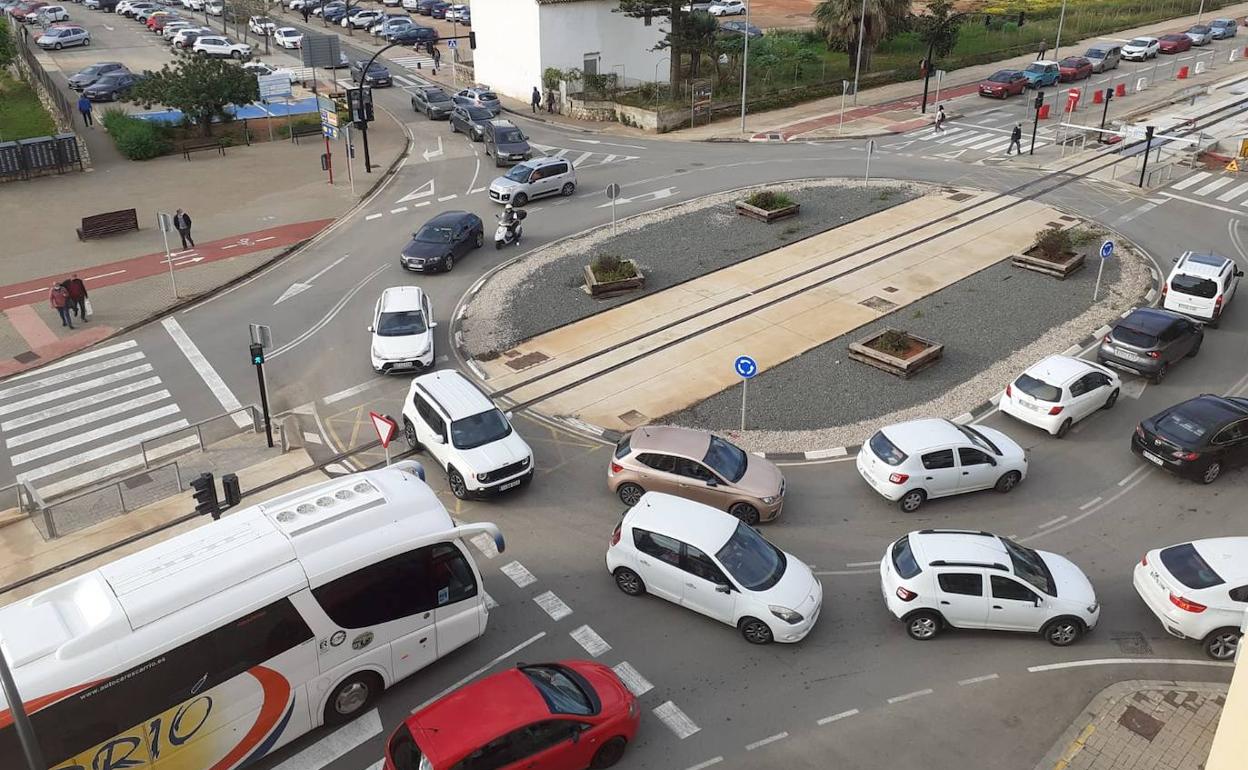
[402,330]
[1200,286]
[727,8]
[713,563]
[937,578]
[911,462]
[1198,590]
[1058,392]
[288,37]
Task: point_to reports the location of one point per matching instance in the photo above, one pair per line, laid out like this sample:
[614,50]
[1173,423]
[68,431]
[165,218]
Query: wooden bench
[306,129]
[215,144]
[107,224]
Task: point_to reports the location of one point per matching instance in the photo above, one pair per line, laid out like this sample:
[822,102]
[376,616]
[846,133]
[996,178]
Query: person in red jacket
[77,296]
[58,298]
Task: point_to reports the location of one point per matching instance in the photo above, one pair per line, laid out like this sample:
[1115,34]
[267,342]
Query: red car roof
[476,714]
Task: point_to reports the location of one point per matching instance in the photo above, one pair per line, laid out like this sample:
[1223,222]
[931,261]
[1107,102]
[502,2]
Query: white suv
[936,578]
[912,461]
[1201,286]
[713,563]
[1059,391]
[1198,590]
[469,437]
[217,45]
[402,330]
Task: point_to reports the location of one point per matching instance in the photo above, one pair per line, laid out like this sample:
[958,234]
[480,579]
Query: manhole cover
[1132,643]
[680,171]
[961,196]
[527,360]
[134,482]
[27,357]
[890,289]
[1140,723]
[1053,224]
[1068,218]
[633,417]
[879,304]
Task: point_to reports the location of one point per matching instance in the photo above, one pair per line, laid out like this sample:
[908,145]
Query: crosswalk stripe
[998,146]
[22,458]
[985,143]
[71,390]
[609,159]
[91,455]
[1199,176]
[1216,184]
[945,138]
[1233,193]
[56,379]
[89,355]
[562,151]
[581,159]
[968,139]
[131,463]
[62,409]
[90,418]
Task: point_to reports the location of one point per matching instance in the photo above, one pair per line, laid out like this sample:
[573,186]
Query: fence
[38,156]
[36,71]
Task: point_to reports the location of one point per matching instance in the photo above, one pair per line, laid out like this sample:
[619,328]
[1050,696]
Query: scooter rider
[509,226]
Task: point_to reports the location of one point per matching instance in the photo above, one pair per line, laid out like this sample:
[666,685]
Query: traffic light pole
[1035,123]
[257,358]
[1148,146]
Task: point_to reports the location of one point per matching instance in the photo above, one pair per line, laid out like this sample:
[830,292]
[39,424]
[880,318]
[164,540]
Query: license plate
[1031,406]
[1152,458]
[509,485]
[1128,356]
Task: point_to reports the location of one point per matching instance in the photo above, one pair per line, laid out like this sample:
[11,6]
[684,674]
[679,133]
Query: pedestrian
[306,12]
[939,128]
[536,99]
[58,298]
[550,100]
[436,53]
[77,291]
[84,107]
[182,223]
[1044,47]
[1016,139]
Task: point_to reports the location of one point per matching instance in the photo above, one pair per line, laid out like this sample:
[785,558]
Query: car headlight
[1093,607]
[769,500]
[483,477]
[785,614]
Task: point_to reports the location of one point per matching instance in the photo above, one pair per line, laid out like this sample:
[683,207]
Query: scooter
[509,232]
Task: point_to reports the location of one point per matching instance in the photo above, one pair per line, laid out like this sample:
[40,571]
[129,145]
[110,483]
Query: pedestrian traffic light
[233,493]
[1039,99]
[257,354]
[206,495]
[472,40]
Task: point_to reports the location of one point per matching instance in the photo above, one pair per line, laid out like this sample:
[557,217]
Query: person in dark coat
[84,107]
[535,100]
[550,100]
[182,223]
[77,296]
[306,12]
[1044,47]
[1016,139]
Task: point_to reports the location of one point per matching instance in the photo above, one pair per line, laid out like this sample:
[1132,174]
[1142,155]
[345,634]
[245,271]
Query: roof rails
[984,564]
[956,532]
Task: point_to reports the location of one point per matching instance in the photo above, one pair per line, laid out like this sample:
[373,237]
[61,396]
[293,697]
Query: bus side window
[452,575]
[379,593]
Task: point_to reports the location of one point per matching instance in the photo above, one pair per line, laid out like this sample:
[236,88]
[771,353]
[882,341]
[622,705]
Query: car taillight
[1188,456]
[1105,339]
[615,536]
[898,478]
[906,595]
[1144,560]
[616,467]
[1165,288]
[1153,354]
[1186,604]
[1217,305]
[1056,410]
[1008,391]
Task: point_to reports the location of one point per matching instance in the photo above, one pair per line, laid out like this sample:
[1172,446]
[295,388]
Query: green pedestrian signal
[257,354]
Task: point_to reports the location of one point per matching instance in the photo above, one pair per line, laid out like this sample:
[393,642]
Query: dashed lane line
[708,763]
[909,696]
[485,544]
[336,744]
[555,607]
[588,638]
[766,741]
[1052,523]
[637,684]
[1089,503]
[977,679]
[678,722]
[836,717]
[518,574]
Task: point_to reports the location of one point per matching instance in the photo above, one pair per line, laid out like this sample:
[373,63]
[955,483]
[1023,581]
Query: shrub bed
[135,138]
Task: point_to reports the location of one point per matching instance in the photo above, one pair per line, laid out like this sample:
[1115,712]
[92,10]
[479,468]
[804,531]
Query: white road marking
[555,607]
[1233,193]
[76,374]
[909,696]
[1191,180]
[89,355]
[1089,503]
[476,190]
[347,392]
[823,454]
[336,744]
[60,410]
[977,679]
[312,438]
[399,210]
[518,574]
[848,572]
[51,396]
[102,451]
[446,198]
[862,564]
[676,720]
[485,544]
[421,204]
[637,684]
[836,717]
[90,418]
[334,311]
[483,669]
[708,763]
[1206,204]
[373,216]
[133,462]
[765,741]
[1048,524]
[475,172]
[588,638]
[1133,474]
[204,369]
[1129,662]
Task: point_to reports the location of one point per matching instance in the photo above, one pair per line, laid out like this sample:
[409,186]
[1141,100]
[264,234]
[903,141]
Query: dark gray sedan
[470,120]
[433,101]
[1149,341]
[90,75]
[443,239]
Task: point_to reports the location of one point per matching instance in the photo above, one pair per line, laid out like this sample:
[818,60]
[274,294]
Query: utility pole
[862,28]
[1057,44]
[1109,94]
[25,731]
[745,61]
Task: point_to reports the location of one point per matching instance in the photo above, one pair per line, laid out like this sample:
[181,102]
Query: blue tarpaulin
[245,112]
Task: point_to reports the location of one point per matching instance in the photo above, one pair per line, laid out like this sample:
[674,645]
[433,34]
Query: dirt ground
[795,14]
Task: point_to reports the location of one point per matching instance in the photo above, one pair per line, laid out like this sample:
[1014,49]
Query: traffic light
[257,354]
[206,495]
[233,493]
[1021,18]
[472,40]
[1039,99]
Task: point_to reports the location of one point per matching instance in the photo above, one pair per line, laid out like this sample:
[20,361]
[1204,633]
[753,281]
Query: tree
[699,35]
[936,29]
[839,22]
[7,50]
[673,36]
[199,87]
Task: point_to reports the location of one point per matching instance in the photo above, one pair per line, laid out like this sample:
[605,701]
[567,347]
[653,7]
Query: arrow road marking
[657,195]
[609,144]
[433,154]
[424,191]
[299,287]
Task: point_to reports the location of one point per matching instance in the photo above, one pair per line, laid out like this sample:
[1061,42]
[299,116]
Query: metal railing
[257,425]
[28,498]
[49,520]
[21,34]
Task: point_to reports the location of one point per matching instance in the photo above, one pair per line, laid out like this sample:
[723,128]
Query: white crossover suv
[402,330]
[1198,590]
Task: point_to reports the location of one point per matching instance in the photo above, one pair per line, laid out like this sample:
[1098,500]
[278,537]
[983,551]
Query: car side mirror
[508,415]
[992,462]
[1239,273]
[712,483]
[1038,601]
[433,324]
[723,589]
[370,329]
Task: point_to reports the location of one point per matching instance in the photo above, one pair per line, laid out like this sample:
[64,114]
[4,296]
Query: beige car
[699,466]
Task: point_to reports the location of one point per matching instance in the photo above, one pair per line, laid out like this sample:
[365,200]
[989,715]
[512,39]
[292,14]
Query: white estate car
[402,330]
[1059,392]
[1141,48]
[362,19]
[911,462]
[1200,286]
[727,8]
[1198,590]
[466,433]
[261,25]
[218,45]
[713,563]
[288,37]
[937,578]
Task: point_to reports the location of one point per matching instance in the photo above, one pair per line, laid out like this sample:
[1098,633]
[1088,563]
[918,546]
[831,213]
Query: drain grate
[27,357]
[890,289]
[961,197]
[527,360]
[1140,723]
[633,417]
[879,304]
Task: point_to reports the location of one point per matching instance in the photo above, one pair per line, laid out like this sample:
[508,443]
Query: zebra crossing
[1228,190]
[80,420]
[957,138]
[582,159]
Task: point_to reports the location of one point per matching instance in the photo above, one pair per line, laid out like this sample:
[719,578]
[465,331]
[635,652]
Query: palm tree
[839,22]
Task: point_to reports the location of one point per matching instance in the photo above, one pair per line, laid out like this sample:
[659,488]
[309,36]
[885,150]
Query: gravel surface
[543,289]
[993,325]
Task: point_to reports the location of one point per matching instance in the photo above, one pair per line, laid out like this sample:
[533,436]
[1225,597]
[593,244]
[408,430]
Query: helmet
[507,207]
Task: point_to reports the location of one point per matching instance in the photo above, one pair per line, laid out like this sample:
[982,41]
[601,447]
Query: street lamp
[862,28]
[927,63]
[659,63]
[1057,44]
[745,61]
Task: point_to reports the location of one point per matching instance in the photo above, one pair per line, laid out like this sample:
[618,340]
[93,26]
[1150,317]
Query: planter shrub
[1053,243]
[608,267]
[135,138]
[769,200]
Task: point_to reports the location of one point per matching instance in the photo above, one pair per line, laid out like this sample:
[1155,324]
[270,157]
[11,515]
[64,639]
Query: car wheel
[520,199]
[1113,399]
[498,245]
[609,753]
[454,129]
[1009,481]
[1211,473]
[1063,632]
[237,55]
[458,487]
[567,190]
[479,241]
[1196,348]
[923,626]
[1160,374]
[912,500]
[755,631]
[745,512]
[409,433]
[630,494]
[353,696]
[629,582]
[1222,643]
[58,46]
[1062,429]
[448,263]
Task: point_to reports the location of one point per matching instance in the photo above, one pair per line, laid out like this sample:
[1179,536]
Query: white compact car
[402,330]
[288,37]
[1200,286]
[937,578]
[1141,49]
[1060,391]
[1198,590]
[466,433]
[713,563]
[911,462]
[727,8]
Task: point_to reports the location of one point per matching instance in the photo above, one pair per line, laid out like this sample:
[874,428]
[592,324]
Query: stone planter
[763,215]
[598,288]
[1061,267]
[920,354]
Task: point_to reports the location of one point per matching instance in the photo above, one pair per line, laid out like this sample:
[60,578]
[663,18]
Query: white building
[518,39]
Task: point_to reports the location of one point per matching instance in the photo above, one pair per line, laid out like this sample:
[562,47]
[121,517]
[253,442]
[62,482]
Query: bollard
[1141,84]
[1245,54]
[1043,114]
[1097,96]
[1121,90]
[1234,56]
[1200,67]
[1182,73]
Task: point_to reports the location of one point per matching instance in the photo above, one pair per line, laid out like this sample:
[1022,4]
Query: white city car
[1198,590]
[911,462]
[713,563]
[402,330]
[210,45]
[1141,48]
[288,37]
[937,578]
[261,25]
[1059,392]
[727,8]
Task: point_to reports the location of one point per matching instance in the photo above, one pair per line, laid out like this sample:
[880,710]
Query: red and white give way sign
[385,427]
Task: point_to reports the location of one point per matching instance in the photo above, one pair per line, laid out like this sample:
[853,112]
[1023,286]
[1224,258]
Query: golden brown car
[699,466]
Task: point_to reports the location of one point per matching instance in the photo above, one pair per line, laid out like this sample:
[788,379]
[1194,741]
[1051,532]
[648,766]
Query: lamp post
[927,63]
[1201,12]
[1057,44]
[745,60]
[659,63]
[862,28]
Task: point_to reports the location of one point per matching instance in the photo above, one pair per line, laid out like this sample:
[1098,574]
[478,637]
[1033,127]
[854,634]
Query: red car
[1003,83]
[568,715]
[1074,68]
[1174,43]
[26,11]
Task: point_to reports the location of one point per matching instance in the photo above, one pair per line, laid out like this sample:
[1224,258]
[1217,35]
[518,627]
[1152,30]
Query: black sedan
[111,87]
[92,74]
[471,120]
[1197,439]
[415,35]
[445,238]
[1149,341]
[377,74]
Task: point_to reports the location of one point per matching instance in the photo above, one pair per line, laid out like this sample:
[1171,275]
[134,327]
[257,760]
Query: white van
[1201,286]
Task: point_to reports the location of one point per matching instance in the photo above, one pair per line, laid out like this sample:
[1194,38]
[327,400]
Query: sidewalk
[1142,725]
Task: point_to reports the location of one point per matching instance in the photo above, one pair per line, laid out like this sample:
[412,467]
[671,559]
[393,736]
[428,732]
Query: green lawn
[21,114]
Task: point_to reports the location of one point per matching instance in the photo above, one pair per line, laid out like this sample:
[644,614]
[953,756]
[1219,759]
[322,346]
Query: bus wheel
[351,697]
